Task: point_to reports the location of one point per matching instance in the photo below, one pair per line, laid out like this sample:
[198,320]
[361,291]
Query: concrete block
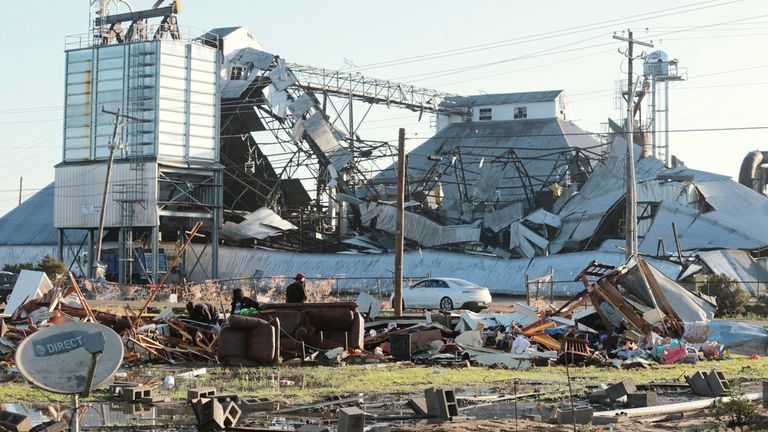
[209,414]
[437,405]
[698,383]
[116,388]
[231,397]
[451,403]
[639,400]
[532,417]
[582,415]
[419,406]
[231,413]
[14,422]
[606,420]
[200,392]
[351,419]
[599,397]
[716,385]
[620,389]
[136,394]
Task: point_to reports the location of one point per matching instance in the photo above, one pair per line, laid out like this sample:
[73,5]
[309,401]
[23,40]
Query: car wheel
[446,304]
[401,302]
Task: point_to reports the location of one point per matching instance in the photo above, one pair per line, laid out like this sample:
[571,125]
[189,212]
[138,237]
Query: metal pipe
[673,408]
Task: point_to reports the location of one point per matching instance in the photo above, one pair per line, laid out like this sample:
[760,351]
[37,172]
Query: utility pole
[399,236]
[21,180]
[115,144]
[630,218]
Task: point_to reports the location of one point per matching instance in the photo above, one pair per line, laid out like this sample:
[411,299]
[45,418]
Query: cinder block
[606,420]
[639,400]
[200,392]
[581,415]
[231,413]
[351,419]
[231,397]
[209,414]
[136,394]
[419,406]
[698,383]
[116,388]
[450,400]
[14,422]
[437,405]
[620,389]
[599,397]
[717,383]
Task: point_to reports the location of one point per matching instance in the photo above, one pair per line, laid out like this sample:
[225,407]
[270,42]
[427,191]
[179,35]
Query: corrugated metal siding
[499,275]
[31,223]
[79,190]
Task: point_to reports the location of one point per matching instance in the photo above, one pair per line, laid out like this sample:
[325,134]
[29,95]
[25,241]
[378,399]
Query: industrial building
[170,136]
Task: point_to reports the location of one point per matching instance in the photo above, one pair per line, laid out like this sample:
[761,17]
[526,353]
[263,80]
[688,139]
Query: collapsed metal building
[270,156]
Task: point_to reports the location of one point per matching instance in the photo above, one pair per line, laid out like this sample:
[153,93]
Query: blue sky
[455,46]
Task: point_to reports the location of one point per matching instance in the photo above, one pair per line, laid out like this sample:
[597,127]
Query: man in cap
[295,293]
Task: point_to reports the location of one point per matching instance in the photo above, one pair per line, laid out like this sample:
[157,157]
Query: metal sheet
[499,219]
[418,228]
[322,134]
[739,265]
[301,105]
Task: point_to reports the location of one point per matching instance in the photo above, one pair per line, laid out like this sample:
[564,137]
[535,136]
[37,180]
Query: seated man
[240,302]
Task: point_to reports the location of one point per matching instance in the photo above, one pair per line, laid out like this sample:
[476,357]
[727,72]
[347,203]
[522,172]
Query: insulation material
[30,285]
[277,99]
[281,77]
[418,228]
[301,105]
[324,138]
[739,265]
[685,305]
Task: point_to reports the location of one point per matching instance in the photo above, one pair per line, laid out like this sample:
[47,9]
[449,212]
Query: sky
[717,115]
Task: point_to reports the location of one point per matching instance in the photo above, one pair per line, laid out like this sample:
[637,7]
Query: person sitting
[240,302]
[203,312]
[295,293]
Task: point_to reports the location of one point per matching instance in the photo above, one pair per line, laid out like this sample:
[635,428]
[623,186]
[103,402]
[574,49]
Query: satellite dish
[58,358]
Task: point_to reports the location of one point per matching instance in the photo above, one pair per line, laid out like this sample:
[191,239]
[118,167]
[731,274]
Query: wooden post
[399,236]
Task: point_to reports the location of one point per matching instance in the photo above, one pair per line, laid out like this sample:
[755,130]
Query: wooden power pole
[630,221]
[399,236]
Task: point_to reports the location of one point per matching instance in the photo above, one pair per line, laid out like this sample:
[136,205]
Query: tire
[401,301]
[446,304]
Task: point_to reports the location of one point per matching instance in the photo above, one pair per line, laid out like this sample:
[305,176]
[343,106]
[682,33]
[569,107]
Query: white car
[445,294]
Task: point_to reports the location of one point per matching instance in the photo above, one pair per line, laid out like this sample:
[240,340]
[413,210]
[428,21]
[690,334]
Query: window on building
[237,73]
[521,112]
[485,114]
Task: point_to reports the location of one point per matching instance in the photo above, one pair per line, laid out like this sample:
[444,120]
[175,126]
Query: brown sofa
[318,325]
[249,341]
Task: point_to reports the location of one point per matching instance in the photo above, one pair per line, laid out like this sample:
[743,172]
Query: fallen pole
[673,408]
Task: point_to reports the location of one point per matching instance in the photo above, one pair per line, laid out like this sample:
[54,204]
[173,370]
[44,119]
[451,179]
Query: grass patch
[315,383]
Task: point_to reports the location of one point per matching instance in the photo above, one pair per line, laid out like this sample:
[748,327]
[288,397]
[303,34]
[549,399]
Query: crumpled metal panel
[301,105]
[322,134]
[543,217]
[259,224]
[485,186]
[418,228]
[233,89]
[684,304]
[259,59]
[277,99]
[499,219]
[739,265]
[281,76]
